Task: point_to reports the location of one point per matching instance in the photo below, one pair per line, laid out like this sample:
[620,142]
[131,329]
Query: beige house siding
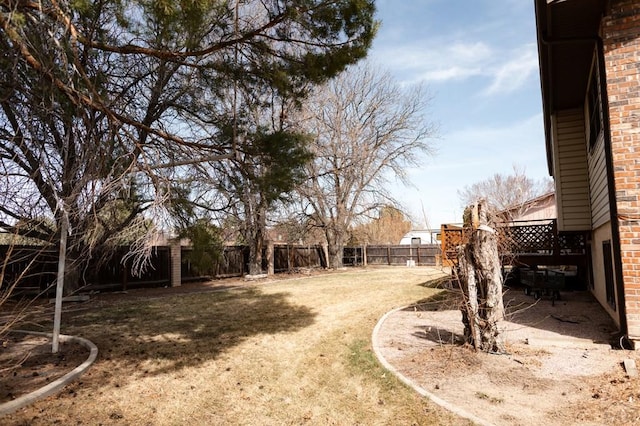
[598,187]
[570,171]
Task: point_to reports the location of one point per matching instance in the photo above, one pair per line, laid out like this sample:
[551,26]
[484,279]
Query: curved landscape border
[375,342]
[58,384]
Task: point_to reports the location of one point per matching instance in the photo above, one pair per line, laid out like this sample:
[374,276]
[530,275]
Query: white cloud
[436,61]
[472,53]
[513,74]
[450,73]
[481,65]
[507,71]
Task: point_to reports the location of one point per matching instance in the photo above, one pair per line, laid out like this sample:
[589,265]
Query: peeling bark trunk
[480,276]
[335,246]
[255,256]
[256,244]
[335,256]
[256,240]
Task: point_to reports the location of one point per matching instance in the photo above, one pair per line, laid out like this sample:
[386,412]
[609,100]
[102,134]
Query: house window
[416,241]
[594,105]
[608,273]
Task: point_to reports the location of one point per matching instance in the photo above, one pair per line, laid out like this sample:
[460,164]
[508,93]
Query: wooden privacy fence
[231,263]
[31,268]
[287,257]
[34,268]
[422,255]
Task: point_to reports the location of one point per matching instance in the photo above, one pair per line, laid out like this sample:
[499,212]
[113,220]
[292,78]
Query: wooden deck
[528,245]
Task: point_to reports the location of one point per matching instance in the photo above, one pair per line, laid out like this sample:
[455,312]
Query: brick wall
[620,34]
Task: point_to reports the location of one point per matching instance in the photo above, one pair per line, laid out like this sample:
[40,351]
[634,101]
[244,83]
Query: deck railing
[521,238]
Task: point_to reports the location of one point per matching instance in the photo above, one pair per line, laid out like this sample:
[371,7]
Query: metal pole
[62,256]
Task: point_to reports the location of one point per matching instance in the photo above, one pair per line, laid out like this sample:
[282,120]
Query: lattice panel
[522,239]
[530,238]
[452,238]
[573,242]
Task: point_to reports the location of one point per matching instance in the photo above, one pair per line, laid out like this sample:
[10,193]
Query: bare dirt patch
[560,368]
[27,363]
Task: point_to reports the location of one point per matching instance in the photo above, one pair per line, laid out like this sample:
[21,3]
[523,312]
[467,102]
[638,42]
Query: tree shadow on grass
[168,334]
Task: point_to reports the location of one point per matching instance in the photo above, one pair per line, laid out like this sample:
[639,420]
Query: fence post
[364,255]
[388,255]
[556,238]
[270,259]
[176,262]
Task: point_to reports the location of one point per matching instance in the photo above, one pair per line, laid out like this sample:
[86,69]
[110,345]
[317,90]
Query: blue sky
[478,61]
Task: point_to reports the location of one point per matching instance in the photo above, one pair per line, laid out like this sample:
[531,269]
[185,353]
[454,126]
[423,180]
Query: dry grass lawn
[282,353]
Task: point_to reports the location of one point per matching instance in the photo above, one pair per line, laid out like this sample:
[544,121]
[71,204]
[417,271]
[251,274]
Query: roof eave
[566,30]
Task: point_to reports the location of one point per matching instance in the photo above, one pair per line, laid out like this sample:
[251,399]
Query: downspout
[544,52]
[613,204]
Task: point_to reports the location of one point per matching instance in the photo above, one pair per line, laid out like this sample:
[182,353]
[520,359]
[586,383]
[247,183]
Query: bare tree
[506,192]
[387,227]
[367,130]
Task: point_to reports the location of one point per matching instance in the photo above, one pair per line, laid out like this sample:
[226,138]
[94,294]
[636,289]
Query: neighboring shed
[421,236]
[539,208]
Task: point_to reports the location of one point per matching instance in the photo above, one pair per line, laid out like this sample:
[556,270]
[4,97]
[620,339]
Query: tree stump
[480,276]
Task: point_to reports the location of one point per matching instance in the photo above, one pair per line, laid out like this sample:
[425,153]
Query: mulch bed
[27,363]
